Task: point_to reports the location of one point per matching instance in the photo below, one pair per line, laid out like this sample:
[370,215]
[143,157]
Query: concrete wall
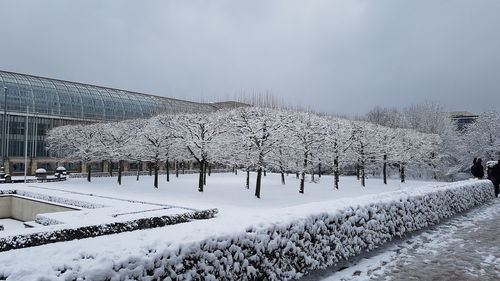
[24,209]
[5,206]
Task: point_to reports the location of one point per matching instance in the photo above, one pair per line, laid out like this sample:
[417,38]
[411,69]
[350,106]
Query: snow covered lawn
[227,191]
[239,211]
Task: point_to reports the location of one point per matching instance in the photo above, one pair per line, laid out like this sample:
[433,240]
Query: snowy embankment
[308,237]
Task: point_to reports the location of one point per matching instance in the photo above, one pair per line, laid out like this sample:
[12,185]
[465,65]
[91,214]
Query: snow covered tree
[482,138]
[364,146]
[259,129]
[78,142]
[155,141]
[199,135]
[387,139]
[338,140]
[308,132]
[117,139]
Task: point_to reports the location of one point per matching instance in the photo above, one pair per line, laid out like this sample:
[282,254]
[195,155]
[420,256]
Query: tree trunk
[200,179]
[183,167]
[176,168]
[120,164]
[303,175]
[363,176]
[167,166]
[319,170]
[150,168]
[235,171]
[209,169]
[265,172]
[336,172]
[258,182]
[357,170]
[402,172]
[139,169]
[110,168]
[156,174]
[302,180]
[248,179]
[88,171]
[283,178]
[205,173]
[384,169]
[297,175]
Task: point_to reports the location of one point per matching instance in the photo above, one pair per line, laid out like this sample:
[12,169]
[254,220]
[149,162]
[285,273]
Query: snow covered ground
[227,191]
[238,210]
[466,247]
[11,224]
[224,191]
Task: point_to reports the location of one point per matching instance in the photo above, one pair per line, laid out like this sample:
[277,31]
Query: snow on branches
[253,138]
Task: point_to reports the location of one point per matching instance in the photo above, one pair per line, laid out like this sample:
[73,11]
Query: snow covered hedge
[67,234]
[288,250]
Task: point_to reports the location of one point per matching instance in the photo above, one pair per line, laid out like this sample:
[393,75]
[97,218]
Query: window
[96,167]
[133,166]
[17,167]
[46,165]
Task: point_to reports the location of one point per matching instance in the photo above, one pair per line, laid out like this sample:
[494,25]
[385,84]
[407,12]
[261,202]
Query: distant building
[463,118]
[44,103]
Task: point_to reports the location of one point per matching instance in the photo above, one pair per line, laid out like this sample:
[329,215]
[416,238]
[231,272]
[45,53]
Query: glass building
[45,103]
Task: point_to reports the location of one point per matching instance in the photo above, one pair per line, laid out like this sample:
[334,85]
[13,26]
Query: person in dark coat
[477,169]
[494,176]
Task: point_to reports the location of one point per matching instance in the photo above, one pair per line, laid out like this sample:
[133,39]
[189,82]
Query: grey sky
[333,56]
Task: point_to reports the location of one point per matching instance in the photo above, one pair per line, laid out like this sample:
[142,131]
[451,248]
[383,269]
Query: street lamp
[4,118]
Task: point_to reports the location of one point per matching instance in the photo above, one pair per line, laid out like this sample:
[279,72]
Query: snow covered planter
[285,251]
[55,199]
[67,234]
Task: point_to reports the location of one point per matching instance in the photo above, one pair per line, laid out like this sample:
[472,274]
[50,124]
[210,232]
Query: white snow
[239,211]
[41,171]
[11,224]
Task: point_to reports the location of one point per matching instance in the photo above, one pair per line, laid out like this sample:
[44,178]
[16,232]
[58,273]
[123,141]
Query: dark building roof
[463,118]
[462,114]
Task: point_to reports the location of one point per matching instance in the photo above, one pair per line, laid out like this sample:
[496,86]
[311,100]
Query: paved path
[466,247]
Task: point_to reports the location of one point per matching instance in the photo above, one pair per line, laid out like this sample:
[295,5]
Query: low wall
[25,209]
[5,206]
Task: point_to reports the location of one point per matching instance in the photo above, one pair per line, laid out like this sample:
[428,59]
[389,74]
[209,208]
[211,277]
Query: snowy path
[466,247]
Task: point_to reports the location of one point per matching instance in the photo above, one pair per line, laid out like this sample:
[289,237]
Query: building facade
[31,105]
[462,119]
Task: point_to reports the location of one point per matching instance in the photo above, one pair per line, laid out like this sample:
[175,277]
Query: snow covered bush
[288,250]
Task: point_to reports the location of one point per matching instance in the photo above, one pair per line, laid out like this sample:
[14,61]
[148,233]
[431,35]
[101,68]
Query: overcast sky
[333,56]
